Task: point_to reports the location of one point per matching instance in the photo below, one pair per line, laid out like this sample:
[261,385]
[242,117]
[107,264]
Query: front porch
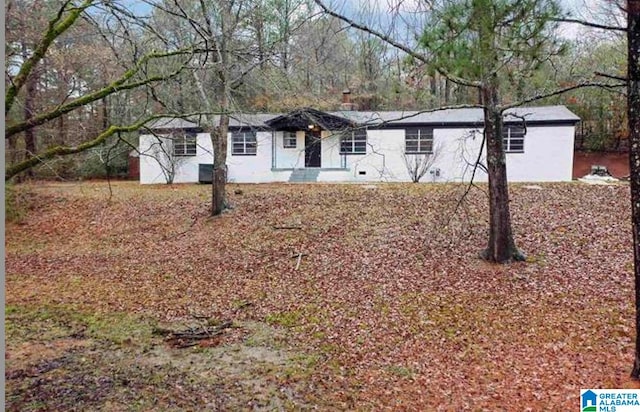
[307,139]
[312,174]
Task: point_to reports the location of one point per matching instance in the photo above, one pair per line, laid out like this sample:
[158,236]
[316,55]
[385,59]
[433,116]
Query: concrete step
[304,175]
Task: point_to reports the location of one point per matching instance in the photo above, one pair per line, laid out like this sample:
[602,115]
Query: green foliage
[287,319]
[58,321]
[475,39]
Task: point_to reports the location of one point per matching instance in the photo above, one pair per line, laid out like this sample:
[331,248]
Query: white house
[358,146]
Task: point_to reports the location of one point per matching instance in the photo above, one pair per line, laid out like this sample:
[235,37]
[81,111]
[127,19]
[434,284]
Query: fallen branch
[299,257]
[174,235]
[191,336]
[287,227]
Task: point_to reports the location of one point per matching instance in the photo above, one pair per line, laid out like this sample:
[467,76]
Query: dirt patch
[24,355]
[252,370]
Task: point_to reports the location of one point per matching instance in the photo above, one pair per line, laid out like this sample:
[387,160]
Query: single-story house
[362,146]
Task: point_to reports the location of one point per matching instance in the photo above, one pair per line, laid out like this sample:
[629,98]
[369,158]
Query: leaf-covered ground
[364,297]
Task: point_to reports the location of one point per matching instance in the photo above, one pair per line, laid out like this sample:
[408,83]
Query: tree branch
[35,159]
[559,91]
[117,85]
[589,24]
[411,52]
[610,76]
[55,29]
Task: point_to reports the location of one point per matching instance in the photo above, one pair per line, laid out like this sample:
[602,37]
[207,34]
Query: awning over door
[307,118]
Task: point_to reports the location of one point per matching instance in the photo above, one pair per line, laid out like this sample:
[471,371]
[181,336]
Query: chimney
[347,105]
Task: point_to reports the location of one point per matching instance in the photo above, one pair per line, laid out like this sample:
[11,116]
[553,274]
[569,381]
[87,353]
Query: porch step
[304,175]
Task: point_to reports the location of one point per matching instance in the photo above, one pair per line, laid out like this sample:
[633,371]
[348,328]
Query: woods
[84,79]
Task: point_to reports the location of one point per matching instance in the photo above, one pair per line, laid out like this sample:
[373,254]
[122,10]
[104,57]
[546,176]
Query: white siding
[330,157]
[289,158]
[548,156]
[253,169]
[187,167]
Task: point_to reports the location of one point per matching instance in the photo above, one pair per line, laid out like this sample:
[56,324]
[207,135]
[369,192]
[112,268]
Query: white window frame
[184,144]
[513,138]
[422,137]
[354,143]
[289,140]
[244,143]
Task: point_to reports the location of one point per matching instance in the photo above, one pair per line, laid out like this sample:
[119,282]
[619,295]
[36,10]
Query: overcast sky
[374,12]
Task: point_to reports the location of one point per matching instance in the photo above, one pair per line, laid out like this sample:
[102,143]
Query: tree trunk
[105,113]
[433,85]
[447,92]
[219,178]
[501,247]
[29,110]
[219,142]
[62,131]
[633,111]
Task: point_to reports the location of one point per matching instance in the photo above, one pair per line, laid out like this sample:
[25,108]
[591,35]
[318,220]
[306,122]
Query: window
[354,142]
[184,144]
[513,139]
[243,143]
[289,140]
[418,140]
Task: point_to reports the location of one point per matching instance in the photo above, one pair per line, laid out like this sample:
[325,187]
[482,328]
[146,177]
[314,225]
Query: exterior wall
[385,161]
[151,159]
[242,169]
[548,156]
[330,150]
[255,169]
[289,158]
[456,152]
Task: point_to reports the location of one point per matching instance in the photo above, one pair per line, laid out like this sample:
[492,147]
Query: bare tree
[223,27]
[169,152]
[145,68]
[418,164]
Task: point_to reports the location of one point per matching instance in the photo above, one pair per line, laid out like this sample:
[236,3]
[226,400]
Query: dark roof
[299,119]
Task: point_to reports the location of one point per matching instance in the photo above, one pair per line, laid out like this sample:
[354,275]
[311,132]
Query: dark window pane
[290,140]
[426,146]
[418,140]
[411,146]
[513,138]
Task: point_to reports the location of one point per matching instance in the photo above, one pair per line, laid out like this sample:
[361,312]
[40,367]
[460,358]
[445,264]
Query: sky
[360,10]
[584,9]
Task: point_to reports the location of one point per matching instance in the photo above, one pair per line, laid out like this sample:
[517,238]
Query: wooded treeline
[281,55]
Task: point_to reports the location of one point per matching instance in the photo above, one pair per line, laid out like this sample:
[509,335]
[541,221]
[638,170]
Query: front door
[312,149]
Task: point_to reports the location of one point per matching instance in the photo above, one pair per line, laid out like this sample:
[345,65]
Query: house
[589,399]
[362,146]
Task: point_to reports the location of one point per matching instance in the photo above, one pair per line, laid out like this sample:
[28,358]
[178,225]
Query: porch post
[273,150]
